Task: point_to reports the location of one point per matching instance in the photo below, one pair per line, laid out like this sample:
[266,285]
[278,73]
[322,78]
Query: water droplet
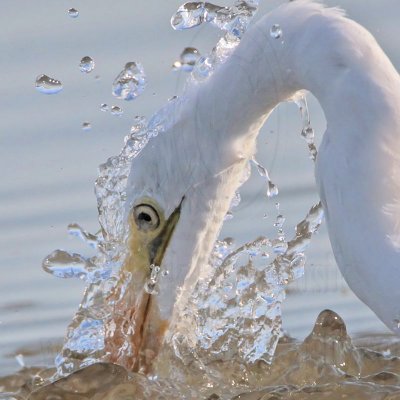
[130,82]
[77,231]
[188,15]
[20,360]
[228,216]
[86,126]
[104,107]
[66,265]
[73,12]
[275,31]
[187,59]
[86,65]
[280,220]
[116,110]
[308,134]
[47,85]
[272,189]
[151,285]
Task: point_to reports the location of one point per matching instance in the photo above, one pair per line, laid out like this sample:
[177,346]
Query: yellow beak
[136,330]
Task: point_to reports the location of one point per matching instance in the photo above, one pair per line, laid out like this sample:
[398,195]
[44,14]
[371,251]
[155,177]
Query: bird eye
[146,217]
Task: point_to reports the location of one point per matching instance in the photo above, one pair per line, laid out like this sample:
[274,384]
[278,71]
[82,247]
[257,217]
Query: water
[38,201]
[116,110]
[187,60]
[130,82]
[104,107]
[327,364]
[276,31]
[73,13]
[233,19]
[47,85]
[210,326]
[87,64]
[86,126]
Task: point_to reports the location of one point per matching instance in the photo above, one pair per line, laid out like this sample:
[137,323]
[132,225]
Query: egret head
[179,190]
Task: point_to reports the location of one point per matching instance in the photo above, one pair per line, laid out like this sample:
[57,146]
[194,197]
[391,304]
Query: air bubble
[47,85]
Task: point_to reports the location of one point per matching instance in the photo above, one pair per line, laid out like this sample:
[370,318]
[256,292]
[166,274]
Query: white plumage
[211,131]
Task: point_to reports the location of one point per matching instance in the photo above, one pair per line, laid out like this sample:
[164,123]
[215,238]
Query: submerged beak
[136,322]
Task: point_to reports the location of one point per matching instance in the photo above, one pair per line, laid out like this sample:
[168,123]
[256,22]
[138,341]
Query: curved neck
[358,170]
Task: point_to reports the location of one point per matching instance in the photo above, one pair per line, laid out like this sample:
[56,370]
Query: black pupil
[144,217]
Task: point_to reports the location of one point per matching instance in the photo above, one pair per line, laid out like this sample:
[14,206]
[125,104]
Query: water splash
[233,314]
[85,339]
[233,21]
[236,313]
[327,364]
[86,65]
[45,84]
[188,16]
[130,82]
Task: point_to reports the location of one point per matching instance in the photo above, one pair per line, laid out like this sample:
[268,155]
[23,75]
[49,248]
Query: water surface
[49,163]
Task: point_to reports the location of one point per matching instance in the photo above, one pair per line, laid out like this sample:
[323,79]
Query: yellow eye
[146,217]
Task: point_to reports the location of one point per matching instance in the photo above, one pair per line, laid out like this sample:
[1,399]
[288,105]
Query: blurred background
[49,163]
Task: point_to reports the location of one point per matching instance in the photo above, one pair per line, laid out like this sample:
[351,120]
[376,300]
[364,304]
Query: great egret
[181,184]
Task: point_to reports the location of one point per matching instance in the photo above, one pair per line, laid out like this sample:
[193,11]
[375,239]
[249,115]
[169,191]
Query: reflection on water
[328,364]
